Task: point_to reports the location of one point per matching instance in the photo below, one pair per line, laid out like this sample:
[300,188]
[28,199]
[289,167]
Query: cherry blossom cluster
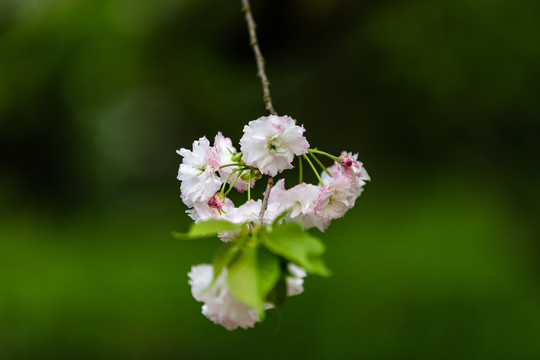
[222,307]
[268,147]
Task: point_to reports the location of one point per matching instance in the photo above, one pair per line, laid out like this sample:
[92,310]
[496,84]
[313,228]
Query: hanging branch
[272,251]
[246,8]
[258,57]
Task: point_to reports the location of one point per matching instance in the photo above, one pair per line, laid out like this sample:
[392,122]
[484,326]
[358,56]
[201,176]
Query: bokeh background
[438,260]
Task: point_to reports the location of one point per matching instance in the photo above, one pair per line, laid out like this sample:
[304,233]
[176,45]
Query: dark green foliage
[438,260]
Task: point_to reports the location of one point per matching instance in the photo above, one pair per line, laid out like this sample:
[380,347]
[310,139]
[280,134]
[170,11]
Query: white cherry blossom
[202,211]
[197,173]
[270,143]
[295,282]
[224,151]
[357,172]
[299,200]
[220,306]
[336,197]
[246,213]
[349,167]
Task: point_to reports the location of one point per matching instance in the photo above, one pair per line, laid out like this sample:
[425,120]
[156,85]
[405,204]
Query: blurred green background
[438,260]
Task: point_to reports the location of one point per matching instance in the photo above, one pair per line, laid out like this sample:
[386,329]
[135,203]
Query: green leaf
[252,275]
[224,256]
[207,229]
[292,242]
[268,271]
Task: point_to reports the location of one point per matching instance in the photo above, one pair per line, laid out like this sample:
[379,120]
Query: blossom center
[275,145]
[201,168]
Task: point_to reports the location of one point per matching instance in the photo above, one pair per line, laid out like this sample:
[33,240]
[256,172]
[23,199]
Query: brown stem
[246,8]
[258,57]
[266,196]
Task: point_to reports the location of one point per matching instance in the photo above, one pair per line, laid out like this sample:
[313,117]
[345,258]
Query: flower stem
[313,168]
[234,182]
[237,164]
[246,8]
[316,151]
[249,184]
[227,180]
[320,164]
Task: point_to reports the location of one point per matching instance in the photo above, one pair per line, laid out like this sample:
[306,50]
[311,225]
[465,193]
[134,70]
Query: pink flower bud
[347,161]
[216,202]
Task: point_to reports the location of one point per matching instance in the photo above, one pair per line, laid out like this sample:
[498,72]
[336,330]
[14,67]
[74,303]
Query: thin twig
[266,196]
[246,8]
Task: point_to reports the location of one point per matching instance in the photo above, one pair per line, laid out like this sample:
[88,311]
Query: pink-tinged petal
[220,306]
[198,172]
[271,142]
[335,198]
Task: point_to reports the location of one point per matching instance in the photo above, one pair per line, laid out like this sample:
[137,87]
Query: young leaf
[252,275]
[293,243]
[207,229]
